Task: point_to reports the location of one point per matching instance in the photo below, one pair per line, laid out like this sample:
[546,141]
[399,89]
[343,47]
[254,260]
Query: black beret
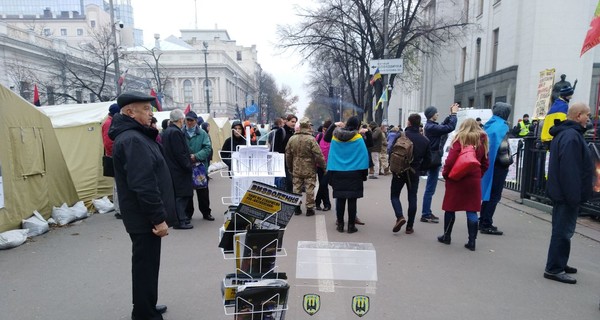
[133,96]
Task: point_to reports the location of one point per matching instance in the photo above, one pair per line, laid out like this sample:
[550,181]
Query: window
[487,101]
[47,32]
[63,32]
[79,32]
[239,55]
[93,23]
[471,102]
[480,8]
[495,36]
[208,84]
[463,63]
[92,98]
[188,95]
[477,56]
[50,95]
[465,14]
[79,96]
[25,91]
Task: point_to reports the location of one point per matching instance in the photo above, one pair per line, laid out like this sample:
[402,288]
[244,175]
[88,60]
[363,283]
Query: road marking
[325,285]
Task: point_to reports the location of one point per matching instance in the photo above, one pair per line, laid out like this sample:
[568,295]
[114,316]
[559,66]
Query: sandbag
[12,238]
[103,205]
[64,215]
[36,225]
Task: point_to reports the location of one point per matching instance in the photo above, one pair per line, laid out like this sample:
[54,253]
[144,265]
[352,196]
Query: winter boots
[448,224]
[472,226]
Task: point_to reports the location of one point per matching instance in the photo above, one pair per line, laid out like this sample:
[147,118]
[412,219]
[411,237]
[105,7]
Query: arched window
[188,95]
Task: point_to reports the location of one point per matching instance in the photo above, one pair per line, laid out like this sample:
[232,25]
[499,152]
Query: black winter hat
[430,112]
[132,97]
[567,91]
[191,115]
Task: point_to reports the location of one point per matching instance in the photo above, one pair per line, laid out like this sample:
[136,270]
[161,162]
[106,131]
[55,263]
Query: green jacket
[199,144]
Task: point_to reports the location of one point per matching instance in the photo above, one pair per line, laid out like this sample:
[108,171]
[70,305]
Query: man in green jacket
[200,146]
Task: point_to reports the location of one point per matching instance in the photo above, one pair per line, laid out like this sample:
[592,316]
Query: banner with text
[544,93]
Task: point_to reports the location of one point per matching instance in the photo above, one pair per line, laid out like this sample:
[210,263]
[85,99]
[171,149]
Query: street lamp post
[115,47]
[157,53]
[206,76]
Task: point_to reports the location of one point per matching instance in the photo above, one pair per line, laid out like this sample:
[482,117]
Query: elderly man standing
[201,149]
[146,197]
[302,156]
[570,179]
[177,155]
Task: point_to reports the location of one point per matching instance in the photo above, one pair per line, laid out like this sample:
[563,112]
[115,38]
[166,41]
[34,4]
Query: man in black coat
[421,158]
[570,174]
[146,197]
[177,154]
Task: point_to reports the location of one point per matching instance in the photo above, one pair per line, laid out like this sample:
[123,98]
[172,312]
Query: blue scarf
[348,155]
[190,131]
[496,128]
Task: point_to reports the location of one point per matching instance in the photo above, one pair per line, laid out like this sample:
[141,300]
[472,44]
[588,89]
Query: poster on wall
[1,188]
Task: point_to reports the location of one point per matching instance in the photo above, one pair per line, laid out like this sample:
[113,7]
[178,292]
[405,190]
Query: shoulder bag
[466,161]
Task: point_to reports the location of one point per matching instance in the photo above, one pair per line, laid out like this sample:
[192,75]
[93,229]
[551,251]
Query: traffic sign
[386,66]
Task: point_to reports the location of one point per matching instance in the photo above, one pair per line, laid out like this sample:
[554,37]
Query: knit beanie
[430,112]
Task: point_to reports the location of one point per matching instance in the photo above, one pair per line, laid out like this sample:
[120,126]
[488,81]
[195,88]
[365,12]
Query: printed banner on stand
[268,203]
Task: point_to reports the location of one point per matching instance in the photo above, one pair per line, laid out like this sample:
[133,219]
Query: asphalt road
[82,271]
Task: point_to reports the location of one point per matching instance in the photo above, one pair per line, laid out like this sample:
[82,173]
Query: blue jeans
[489,207]
[432,180]
[412,182]
[564,220]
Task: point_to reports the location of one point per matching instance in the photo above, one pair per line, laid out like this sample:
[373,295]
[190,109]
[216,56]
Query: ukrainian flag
[348,155]
[558,111]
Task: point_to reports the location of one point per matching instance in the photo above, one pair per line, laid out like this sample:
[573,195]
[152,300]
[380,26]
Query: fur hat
[430,112]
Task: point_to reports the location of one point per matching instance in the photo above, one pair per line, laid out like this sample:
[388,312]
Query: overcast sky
[247,22]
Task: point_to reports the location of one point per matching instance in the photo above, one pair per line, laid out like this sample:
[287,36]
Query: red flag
[188,109]
[158,106]
[36,96]
[593,35]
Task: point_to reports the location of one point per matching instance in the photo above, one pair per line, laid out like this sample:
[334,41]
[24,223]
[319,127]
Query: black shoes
[318,208]
[209,217]
[491,230]
[352,228]
[326,208]
[399,223]
[183,226]
[310,212]
[444,239]
[560,277]
[358,221]
[340,227]
[118,216]
[470,245]
[430,218]
[570,270]
[161,308]
[298,211]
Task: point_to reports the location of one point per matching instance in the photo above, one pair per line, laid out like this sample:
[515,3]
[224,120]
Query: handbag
[199,177]
[504,158]
[108,169]
[465,163]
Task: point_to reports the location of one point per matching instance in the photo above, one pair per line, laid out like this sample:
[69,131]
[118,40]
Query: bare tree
[23,76]
[151,68]
[352,32]
[90,70]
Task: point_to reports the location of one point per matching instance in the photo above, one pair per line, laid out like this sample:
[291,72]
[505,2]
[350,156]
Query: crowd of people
[153,187]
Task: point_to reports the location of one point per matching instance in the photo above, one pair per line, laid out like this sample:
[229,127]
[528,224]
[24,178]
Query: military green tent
[33,172]
[78,128]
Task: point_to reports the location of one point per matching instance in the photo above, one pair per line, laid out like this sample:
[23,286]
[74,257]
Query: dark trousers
[564,220]
[203,203]
[412,184]
[340,208]
[323,192]
[145,264]
[181,204]
[488,208]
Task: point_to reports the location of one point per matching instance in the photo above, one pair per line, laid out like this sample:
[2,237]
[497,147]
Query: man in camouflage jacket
[302,155]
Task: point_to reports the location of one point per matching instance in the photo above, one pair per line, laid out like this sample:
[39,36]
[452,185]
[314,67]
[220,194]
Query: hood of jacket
[502,110]
[121,123]
[343,134]
[565,125]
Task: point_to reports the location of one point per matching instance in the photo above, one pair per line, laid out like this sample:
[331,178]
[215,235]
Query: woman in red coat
[464,194]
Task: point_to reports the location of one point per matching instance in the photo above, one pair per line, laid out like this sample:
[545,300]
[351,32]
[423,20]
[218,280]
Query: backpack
[401,155]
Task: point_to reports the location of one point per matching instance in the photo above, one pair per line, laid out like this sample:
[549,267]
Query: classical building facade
[197,58]
[500,54]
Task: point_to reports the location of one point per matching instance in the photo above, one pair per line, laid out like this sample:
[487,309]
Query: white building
[499,58]
[232,71]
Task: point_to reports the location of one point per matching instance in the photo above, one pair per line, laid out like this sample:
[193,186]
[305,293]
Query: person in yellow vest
[557,112]
[522,128]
